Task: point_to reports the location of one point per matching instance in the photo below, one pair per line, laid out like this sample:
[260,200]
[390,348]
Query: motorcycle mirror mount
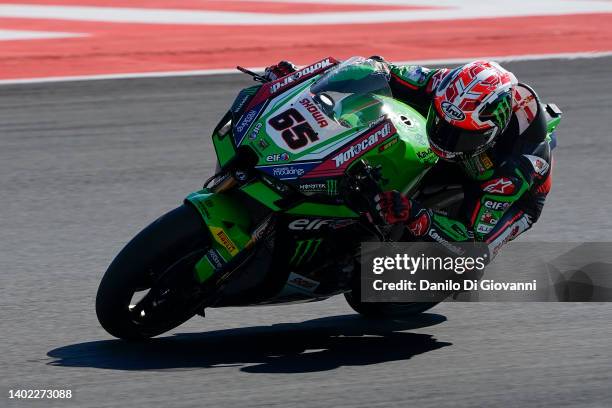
[256,77]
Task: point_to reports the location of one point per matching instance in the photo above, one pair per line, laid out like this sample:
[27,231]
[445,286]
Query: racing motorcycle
[299,161]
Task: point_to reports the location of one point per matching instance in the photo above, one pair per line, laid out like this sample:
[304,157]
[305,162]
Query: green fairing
[406,162]
[223,144]
[404,156]
[403,163]
[224,148]
[262,193]
[325,210]
[221,212]
[203,270]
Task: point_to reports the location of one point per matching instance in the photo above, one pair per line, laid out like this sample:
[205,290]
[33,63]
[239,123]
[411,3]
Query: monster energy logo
[304,251]
[502,111]
[332,187]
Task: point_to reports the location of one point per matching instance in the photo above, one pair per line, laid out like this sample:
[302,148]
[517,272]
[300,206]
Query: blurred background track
[58,38]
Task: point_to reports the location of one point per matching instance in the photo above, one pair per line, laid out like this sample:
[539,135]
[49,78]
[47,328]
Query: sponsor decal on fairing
[389,144]
[308,224]
[245,122]
[315,112]
[271,89]
[288,171]
[255,131]
[313,187]
[362,146]
[222,238]
[302,73]
[215,259]
[272,158]
[302,282]
[338,162]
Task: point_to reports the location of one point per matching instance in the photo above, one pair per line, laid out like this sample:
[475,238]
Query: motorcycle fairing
[272,89]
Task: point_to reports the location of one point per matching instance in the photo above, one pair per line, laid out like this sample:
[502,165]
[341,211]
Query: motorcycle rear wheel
[158,262]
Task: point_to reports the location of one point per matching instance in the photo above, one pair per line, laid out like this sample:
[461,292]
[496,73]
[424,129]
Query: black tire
[170,245]
[387,310]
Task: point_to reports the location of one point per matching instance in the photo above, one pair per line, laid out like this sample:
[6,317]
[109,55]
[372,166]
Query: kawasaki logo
[362,146]
[303,72]
[452,111]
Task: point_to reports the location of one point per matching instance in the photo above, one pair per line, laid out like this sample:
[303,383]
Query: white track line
[453,10]
[12,35]
[208,72]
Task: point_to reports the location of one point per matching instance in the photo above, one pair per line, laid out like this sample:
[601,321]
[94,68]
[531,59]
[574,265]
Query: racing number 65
[296,132]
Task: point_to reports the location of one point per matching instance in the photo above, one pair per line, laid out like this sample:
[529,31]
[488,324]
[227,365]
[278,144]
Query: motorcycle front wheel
[149,288]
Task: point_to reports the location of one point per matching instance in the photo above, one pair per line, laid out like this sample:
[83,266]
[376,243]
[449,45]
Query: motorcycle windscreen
[352,94]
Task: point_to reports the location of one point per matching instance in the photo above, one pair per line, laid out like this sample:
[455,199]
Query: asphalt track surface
[85,165]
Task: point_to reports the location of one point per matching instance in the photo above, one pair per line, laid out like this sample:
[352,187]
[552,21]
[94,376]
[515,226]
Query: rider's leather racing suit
[504,188]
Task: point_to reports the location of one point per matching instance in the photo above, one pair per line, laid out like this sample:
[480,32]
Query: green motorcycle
[299,161]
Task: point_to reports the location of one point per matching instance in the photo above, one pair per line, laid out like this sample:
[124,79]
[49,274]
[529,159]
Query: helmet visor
[452,142]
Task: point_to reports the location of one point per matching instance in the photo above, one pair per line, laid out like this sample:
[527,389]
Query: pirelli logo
[221,237]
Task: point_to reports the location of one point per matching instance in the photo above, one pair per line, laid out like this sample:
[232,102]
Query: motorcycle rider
[490,132]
